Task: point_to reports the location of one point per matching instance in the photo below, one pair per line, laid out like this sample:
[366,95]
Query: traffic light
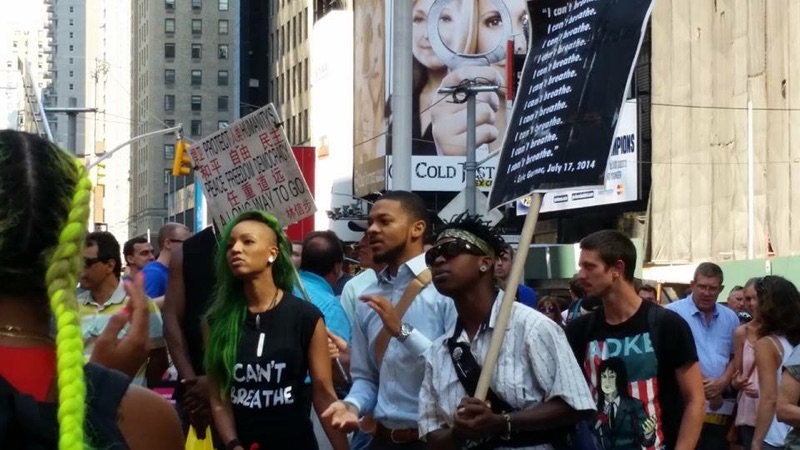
[182,164]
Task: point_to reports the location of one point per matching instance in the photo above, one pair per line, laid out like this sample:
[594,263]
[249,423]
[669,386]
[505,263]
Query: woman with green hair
[262,342]
[48,398]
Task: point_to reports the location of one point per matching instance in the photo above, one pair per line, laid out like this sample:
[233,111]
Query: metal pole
[109,153]
[402,94]
[751,215]
[470,189]
[72,133]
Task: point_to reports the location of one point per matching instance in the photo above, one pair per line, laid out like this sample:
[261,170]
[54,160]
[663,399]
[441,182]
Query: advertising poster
[452,41]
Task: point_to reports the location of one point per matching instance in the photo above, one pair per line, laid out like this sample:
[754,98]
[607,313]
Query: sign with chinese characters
[250,166]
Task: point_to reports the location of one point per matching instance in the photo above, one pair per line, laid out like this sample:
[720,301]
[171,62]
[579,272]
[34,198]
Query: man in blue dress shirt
[713,327]
[389,387]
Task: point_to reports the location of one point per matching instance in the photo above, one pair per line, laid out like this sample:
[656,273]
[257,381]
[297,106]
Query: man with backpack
[655,346]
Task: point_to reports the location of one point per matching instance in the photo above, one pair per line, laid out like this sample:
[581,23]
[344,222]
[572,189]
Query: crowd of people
[273,346]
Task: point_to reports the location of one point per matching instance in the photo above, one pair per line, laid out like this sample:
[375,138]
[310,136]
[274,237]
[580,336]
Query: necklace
[14,332]
[271,305]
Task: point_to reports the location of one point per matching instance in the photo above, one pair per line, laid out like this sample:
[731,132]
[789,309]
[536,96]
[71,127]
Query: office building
[184,71]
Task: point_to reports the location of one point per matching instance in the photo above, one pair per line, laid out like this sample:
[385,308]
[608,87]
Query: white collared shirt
[536,364]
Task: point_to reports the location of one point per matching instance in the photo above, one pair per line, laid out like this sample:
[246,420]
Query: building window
[72,60]
[169,152]
[169,102]
[169,50]
[169,76]
[197,103]
[71,22]
[197,51]
[222,103]
[223,5]
[71,35]
[71,47]
[169,25]
[222,78]
[169,5]
[71,9]
[197,4]
[197,26]
[223,27]
[197,128]
[71,73]
[167,175]
[197,77]
[223,51]
[169,123]
[222,124]
[71,87]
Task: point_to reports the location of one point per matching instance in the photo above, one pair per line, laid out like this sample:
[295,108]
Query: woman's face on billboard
[452,30]
[491,31]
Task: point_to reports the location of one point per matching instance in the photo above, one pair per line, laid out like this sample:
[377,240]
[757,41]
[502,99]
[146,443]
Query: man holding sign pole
[537,392]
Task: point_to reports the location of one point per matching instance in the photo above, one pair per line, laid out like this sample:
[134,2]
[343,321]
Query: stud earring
[484,268]
[270,260]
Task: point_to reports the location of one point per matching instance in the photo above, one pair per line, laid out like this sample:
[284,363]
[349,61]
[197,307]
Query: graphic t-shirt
[271,405]
[638,399]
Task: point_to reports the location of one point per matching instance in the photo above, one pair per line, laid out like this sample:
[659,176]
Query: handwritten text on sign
[250,166]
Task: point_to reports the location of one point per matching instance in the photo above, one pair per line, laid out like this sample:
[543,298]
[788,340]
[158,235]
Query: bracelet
[232,444]
[507,435]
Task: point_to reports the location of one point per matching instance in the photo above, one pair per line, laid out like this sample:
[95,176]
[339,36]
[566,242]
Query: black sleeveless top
[27,424]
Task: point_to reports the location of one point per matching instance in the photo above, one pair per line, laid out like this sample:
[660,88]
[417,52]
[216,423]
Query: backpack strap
[654,316]
[105,389]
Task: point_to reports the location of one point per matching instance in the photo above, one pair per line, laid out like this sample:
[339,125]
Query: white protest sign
[250,166]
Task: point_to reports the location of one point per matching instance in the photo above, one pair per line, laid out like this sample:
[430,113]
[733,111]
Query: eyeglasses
[547,309]
[709,289]
[449,250]
[88,262]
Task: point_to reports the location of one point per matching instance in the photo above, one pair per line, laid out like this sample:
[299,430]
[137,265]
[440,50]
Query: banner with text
[621,179]
[569,100]
[250,166]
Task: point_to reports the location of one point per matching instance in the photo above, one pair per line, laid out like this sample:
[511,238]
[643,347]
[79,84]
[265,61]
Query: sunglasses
[451,249]
[88,262]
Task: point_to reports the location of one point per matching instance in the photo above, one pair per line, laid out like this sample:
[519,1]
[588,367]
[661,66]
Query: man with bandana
[537,391]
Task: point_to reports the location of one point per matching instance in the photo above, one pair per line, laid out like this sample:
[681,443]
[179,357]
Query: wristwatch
[405,331]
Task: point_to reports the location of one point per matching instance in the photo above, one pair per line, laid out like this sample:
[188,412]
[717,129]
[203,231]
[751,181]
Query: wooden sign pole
[509,296]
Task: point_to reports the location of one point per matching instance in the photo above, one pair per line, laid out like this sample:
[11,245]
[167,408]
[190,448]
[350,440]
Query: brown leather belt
[401,436]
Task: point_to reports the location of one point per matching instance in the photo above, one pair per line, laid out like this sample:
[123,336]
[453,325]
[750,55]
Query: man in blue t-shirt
[155,274]
[502,269]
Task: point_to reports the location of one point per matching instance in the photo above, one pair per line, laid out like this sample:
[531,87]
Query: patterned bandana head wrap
[467,237]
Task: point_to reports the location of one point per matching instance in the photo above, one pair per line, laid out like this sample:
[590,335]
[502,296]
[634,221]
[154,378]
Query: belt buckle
[391,437]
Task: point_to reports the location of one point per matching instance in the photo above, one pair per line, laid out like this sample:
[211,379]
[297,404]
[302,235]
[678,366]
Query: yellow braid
[61,277]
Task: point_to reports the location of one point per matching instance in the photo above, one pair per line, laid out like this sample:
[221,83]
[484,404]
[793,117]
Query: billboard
[452,41]
[621,176]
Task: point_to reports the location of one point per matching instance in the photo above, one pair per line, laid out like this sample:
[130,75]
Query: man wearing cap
[368,275]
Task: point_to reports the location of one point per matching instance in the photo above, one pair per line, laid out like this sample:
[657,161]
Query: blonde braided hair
[64,268]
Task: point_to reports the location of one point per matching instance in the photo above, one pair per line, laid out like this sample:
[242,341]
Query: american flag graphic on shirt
[639,359]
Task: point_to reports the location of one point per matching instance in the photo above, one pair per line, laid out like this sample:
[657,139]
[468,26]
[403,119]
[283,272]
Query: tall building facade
[289,52]
[69,72]
[184,71]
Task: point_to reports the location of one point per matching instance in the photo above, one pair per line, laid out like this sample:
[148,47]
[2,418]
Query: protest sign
[250,166]
[570,95]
